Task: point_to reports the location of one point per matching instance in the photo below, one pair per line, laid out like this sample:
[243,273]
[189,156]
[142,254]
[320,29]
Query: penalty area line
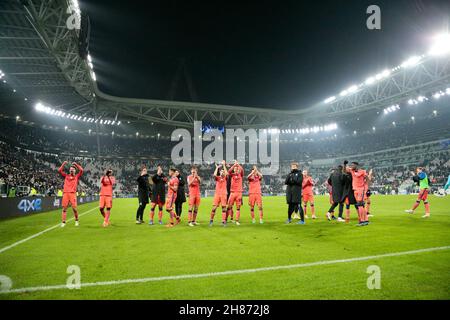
[41,232]
[225,273]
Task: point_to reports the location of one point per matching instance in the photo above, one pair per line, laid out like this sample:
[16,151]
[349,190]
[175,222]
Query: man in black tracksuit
[143,194]
[294,182]
[158,194]
[181,195]
[336,181]
[348,195]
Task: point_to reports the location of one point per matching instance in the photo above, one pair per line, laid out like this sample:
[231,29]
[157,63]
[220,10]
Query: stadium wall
[19,207]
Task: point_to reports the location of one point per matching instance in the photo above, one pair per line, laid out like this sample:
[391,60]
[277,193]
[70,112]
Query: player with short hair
[368,193]
[143,194]
[70,190]
[294,181]
[308,194]
[237,173]
[158,195]
[106,194]
[194,182]
[423,182]
[358,186]
[254,193]
[171,197]
[220,195]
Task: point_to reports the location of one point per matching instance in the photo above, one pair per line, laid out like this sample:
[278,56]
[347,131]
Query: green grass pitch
[129,251]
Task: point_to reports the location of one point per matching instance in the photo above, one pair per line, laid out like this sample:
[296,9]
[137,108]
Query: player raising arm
[424,184]
[254,193]
[106,194]
[220,195]
[358,185]
[70,190]
[194,182]
[236,173]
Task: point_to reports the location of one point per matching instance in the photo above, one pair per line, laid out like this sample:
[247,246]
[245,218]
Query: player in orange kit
[220,195]
[106,194]
[194,182]
[236,173]
[172,189]
[358,185]
[368,193]
[70,190]
[254,193]
[308,194]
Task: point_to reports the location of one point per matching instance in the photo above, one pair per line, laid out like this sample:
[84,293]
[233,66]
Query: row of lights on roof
[441,46]
[45,109]
[315,129]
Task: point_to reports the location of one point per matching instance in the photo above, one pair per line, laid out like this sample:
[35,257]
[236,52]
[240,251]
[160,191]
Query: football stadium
[130,170]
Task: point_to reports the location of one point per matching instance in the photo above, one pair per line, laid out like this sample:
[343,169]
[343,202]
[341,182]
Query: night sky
[279,54]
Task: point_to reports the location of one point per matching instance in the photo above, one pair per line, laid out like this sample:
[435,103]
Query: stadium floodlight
[118,123]
[447,91]
[352,88]
[421,98]
[93,76]
[330,99]
[437,95]
[137,134]
[354,132]
[89,58]
[17,118]
[435,112]
[65,128]
[411,62]
[91,65]
[374,129]
[393,123]
[413,118]
[101,121]
[343,93]
[441,45]
[370,80]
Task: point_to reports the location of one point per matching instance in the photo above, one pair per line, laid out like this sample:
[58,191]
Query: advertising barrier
[18,207]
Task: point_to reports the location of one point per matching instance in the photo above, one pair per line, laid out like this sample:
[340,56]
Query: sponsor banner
[18,207]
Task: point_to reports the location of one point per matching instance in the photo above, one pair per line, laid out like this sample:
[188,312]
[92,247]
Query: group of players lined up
[348,185]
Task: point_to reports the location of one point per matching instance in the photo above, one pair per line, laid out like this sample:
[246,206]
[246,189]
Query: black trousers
[292,207]
[341,208]
[140,211]
[178,208]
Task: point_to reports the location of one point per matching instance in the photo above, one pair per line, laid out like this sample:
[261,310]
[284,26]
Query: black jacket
[294,182]
[181,194]
[143,188]
[336,180]
[159,188]
[348,189]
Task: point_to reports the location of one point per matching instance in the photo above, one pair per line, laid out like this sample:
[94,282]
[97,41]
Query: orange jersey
[358,179]
[173,183]
[307,185]
[221,185]
[70,181]
[106,186]
[236,179]
[254,184]
[194,186]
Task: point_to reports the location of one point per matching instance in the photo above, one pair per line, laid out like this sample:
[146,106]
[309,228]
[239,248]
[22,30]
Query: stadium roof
[39,57]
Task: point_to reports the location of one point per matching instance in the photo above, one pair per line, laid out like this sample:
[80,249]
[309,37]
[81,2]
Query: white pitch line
[224,273]
[40,233]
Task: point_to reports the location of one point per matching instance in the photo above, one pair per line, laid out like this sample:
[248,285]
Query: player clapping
[236,173]
[220,195]
[423,182]
[106,194]
[171,197]
[194,182]
[254,184]
[308,194]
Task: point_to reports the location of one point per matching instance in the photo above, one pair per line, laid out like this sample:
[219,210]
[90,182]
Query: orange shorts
[69,197]
[360,194]
[423,195]
[194,200]
[170,201]
[308,198]
[105,201]
[235,197]
[255,198]
[220,199]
